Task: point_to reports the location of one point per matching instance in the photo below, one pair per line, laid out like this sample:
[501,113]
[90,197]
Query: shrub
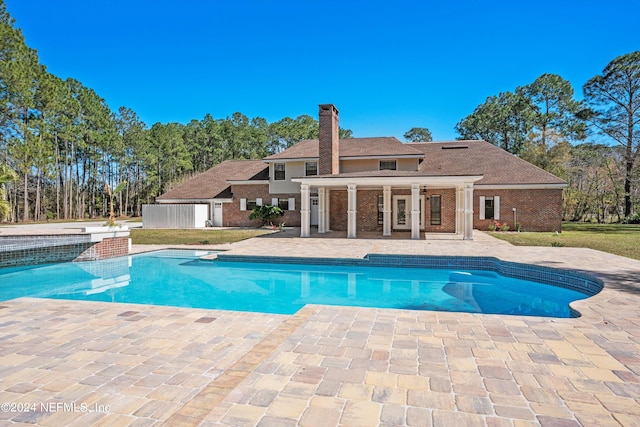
[632,219]
[266,214]
[498,226]
[557,244]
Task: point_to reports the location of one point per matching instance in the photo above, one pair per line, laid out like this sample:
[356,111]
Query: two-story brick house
[380,185]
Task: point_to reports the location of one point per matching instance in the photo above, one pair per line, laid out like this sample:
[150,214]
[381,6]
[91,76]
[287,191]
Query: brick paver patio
[140,365]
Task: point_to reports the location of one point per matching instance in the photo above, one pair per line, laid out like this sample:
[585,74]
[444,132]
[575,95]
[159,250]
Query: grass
[192,237]
[618,239]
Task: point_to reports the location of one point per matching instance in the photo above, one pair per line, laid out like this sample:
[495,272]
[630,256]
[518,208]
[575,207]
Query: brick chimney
[329,136]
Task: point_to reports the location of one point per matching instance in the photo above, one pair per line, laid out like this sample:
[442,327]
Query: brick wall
[328,131]
[536,210]
[447,210]
[232,216]
[338,209]
[367,206]
[367,215]
[107,248]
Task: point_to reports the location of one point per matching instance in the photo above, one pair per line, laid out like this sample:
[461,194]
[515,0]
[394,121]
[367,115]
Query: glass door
[401,212]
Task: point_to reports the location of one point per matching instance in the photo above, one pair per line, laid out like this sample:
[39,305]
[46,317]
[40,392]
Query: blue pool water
[179,278]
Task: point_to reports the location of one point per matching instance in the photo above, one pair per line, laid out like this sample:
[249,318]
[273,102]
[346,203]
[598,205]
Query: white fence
[174,216]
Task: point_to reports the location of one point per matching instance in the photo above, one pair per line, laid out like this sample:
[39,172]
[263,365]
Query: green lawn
[618,239]
[192,237]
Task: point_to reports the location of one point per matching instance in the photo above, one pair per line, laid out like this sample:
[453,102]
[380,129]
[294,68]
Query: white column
[305,212]
[415,211]
[459,210]
[351,210]
[468,211]
[386,210]
[322,223]
[327,209]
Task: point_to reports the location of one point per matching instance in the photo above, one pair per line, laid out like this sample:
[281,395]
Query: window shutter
[481,207]
[274,201]
[292,203]
[258,202]
[496,207]
[243,204]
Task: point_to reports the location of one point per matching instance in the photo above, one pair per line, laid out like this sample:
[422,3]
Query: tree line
[593,144]
[62,148]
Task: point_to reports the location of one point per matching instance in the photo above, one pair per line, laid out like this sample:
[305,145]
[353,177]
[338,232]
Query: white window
[286,204]
[388,165]
[489,207]
[283,204]
[310,168]
[279,171]
[249,204]
[436,209]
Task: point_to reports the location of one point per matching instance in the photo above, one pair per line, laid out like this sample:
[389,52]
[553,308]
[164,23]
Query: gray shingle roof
[213,183]
[480,158]
[453,158]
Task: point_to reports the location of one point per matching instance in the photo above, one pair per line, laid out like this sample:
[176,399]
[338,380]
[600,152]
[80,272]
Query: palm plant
[112,194]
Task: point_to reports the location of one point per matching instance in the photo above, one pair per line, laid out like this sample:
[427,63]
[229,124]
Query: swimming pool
[180,278]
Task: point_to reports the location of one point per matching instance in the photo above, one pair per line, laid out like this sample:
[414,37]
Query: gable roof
[453,158]
[213,183]
[498,166]
[349,148]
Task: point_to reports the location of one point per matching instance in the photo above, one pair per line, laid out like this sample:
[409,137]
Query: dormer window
[388,165]
[278,172]
[310,168]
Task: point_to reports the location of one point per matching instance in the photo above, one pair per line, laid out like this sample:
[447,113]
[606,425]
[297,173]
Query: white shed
[175,215]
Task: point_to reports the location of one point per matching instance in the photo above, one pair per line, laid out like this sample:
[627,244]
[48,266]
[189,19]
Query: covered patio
[391,185]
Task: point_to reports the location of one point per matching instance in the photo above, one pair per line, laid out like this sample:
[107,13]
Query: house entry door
[217,214]
[314,211]
[402,212]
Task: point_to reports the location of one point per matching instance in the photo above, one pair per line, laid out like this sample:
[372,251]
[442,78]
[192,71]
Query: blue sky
[387,65]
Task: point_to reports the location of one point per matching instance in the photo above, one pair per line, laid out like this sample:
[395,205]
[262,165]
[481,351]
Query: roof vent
[454,147]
